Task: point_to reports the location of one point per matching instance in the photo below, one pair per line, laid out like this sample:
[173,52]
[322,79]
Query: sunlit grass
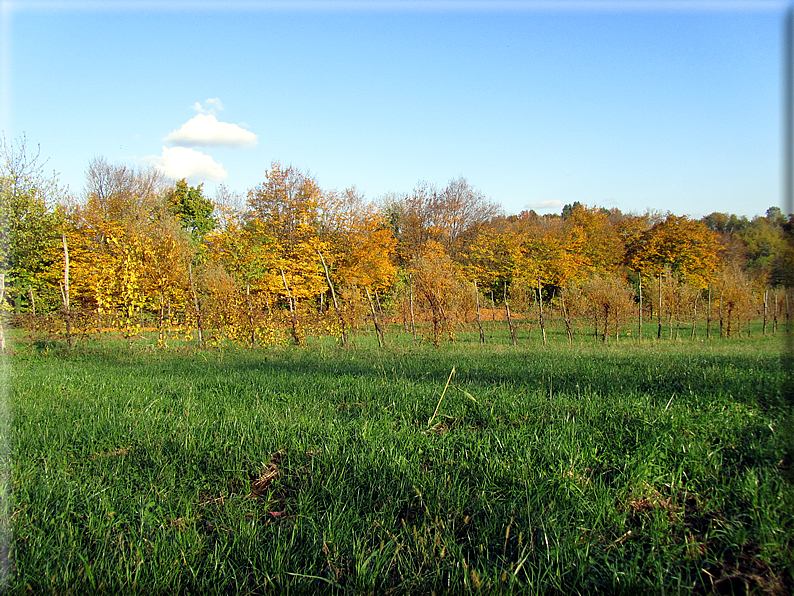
[569,468]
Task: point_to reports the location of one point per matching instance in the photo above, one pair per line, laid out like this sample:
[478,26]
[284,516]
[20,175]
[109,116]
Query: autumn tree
[361,250]
[440,288]
[252,256]
[287,206]
[492,258]
[687,249]
[611,302]
[122,194]
[735,299]
[591,243]
[447,216]
[166,252]
[116,252]
[359,240]
[684,245]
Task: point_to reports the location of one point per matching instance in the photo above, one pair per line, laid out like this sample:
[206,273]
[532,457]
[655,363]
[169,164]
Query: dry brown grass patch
[270,472]
[113,453]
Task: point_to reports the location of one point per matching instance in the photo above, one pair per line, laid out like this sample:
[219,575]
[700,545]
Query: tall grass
[656,467]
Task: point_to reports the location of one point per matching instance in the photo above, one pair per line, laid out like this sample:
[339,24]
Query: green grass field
[664,467]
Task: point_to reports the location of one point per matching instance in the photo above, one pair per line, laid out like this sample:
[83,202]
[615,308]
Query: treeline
[135,251]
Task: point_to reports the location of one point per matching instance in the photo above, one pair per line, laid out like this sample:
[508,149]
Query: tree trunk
[250,314]
[411,295]
[766,306]
[671,309]
[566,317]
[161,320]
[617,324]
[435,309]
[510,320]
[32,300]
[493,309]
[477,303]
[659,311]
[293,317]
[708,317]
[32,310]
[377,302]
[342,337]
[728,330]
[695,316]
[540,312]
[2,295]
[446,322]
[606,324]
[639,310]
[378,330]
[65,294]
[199,327]
[722,294]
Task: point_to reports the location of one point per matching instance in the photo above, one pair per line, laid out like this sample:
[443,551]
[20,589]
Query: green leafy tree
[29,225]
[193,209]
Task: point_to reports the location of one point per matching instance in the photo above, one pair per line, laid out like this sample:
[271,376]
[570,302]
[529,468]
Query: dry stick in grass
[433,417]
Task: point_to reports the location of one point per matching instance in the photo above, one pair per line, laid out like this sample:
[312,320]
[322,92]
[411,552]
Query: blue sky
[636,105]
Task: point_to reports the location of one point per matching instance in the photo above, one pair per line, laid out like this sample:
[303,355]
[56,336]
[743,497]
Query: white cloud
[214,104]
[180,162]
[205,130]
[545,205]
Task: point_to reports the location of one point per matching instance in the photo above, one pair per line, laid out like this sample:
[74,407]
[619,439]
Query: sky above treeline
[669,106]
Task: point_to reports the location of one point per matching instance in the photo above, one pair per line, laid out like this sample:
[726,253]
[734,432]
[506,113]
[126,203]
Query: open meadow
[662,467]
